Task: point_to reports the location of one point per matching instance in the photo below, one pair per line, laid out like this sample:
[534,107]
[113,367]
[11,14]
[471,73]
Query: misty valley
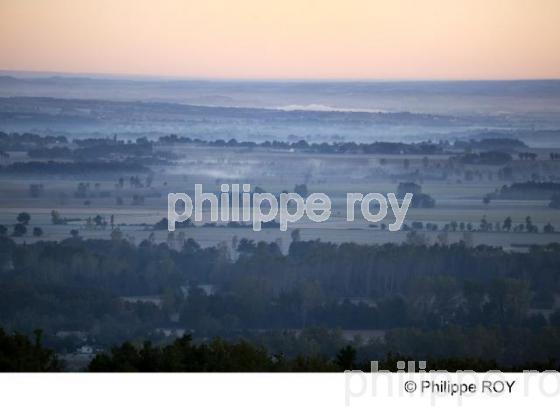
[469,277]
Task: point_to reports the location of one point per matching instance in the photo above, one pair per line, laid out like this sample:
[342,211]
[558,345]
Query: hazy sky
[354,39]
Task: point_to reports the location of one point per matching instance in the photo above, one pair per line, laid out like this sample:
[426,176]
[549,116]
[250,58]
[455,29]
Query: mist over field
[287,111]
[86,164]
[428,97]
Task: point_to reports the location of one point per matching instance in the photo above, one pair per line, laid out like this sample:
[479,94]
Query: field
[273,171]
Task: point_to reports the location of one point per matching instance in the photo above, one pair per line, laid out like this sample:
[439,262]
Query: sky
[285,39]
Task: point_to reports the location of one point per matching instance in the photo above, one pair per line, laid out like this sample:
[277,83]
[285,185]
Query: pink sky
[350,39]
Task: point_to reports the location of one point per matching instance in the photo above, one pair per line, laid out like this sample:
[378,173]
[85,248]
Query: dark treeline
[105,149]
[18,354]
[73,168]
[60,147]
[493,151]
[528,190]
[86,151]
[243,356]
[491,141]
[47,146]
[23,141]
[378,147]
[100,150]
[497,148]
[337,270]
[448,297]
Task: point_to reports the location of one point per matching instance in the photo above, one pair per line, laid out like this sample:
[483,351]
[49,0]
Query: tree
[484,225]
[529,225]
[346,358]
[37,231]
[19,230]
[507,224]
[3,230]
[56,219]
[99,220]
[23,218]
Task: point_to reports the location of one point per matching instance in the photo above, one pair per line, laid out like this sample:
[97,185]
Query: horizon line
[164,77]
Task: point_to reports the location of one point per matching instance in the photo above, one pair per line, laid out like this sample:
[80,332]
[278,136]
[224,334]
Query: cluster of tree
[484,226]
[419,199]
[495,142]
[50,153]
[57,219]
[449,350]
[423,292]
[20,228]
[93,149]
[527,156]
[103,148]
[437,349]
[25,141]
[162,224]
[19,354]
[320,284]
[216,356]
[377,147]
[73,168]
[485,158]
[527,190]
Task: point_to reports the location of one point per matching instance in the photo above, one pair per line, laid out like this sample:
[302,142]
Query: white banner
[351,390]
